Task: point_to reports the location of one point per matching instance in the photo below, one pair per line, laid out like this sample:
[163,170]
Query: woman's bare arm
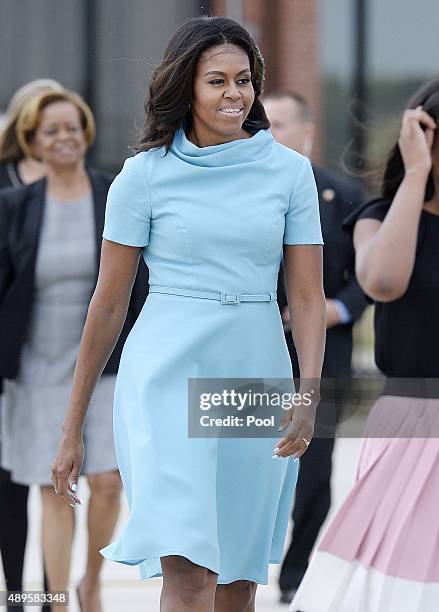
[306,302]
[385,251]
[105,318]
[307,305]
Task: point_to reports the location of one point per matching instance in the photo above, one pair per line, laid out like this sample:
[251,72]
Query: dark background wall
[107,49]
[104,49]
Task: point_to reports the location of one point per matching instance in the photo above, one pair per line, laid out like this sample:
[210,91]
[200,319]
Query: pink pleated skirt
[381,551]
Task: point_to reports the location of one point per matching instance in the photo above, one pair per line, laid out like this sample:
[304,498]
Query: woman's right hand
[67,466]
[415,143]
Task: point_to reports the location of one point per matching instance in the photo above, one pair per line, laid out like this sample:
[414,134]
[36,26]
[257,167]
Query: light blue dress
[212,219]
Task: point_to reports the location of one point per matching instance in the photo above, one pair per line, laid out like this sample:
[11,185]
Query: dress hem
[130,561]
[28,482]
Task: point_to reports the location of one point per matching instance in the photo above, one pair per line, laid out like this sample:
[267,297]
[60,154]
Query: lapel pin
[328,195]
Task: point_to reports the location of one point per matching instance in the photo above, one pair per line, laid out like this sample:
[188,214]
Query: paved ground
[121,588]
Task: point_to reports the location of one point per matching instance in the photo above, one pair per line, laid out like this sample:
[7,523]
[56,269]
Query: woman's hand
[66,467]
[298,424]
[414,142]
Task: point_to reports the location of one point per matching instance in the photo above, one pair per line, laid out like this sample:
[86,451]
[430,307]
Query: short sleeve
[302,219]
[128,209]
[374,209]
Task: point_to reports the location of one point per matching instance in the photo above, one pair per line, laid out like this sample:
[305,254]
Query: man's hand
[332,314]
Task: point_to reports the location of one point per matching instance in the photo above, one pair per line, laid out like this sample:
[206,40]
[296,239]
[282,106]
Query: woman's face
[59,140]
[222,94]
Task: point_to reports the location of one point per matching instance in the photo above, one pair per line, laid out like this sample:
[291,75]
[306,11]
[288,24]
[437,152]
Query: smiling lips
[231,111]
[65,148]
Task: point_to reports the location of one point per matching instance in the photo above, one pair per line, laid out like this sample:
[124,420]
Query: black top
[407,329]
[9,176]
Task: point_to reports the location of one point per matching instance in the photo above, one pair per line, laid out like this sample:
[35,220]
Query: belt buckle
[230,298]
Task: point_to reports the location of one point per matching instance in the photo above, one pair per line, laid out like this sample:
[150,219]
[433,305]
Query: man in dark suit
[292,125]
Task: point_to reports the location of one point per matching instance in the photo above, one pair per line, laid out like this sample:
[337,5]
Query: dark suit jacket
[337,197]
[21,213]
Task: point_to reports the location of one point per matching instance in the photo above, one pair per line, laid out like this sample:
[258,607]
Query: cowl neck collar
[241,151]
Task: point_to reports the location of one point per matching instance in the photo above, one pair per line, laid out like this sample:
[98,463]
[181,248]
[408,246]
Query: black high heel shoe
[287,596]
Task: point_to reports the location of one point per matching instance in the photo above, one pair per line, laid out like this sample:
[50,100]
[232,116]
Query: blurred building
[373,56]
[104,49]
[287,33]
[356,60]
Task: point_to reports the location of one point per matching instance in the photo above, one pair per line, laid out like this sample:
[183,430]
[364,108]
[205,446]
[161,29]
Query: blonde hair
[10,150]
[30,117]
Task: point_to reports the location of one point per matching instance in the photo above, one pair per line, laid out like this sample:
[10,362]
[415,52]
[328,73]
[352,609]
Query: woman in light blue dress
[210,201]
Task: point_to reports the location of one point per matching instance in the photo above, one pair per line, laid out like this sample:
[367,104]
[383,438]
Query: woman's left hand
[298,425]
[67,466]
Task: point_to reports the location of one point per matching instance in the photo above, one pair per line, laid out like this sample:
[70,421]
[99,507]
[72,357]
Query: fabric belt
[224,297]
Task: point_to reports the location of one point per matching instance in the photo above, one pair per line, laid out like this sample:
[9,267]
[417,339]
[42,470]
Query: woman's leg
[103,510]
[238,596]
[13,530]
[57,534]
[187,587]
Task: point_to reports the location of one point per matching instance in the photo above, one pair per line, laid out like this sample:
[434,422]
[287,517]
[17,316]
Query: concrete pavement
[121,588]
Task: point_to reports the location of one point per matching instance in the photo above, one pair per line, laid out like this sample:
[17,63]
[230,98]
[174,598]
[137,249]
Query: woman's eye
[221,81]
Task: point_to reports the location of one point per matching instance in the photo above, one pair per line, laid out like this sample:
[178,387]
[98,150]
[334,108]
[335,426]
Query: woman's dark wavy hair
[170,88]
[427,97]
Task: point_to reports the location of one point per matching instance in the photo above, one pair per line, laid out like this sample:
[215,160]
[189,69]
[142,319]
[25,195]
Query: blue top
[202,210]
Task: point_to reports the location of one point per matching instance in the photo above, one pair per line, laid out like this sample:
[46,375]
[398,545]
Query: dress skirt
[381,551]
[223,503]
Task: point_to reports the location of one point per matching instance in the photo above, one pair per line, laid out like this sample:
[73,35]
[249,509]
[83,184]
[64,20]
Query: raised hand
[416,140]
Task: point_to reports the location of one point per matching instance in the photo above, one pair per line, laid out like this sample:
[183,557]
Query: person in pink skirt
[381,551]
